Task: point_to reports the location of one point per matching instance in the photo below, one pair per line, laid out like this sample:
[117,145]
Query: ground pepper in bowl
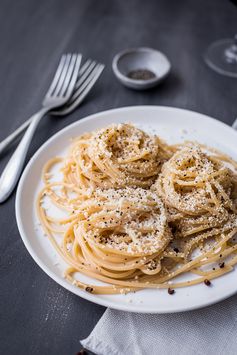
[141,74]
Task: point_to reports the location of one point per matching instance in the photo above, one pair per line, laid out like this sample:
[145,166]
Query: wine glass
[221,55]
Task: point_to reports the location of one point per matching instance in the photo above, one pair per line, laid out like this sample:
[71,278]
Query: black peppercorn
[89,289]
[222,265]
[207,282]
[171,291]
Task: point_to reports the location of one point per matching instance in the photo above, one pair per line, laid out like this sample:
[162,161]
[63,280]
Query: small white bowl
[140,58]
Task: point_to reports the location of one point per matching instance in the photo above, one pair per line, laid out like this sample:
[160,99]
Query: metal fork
[57,95]
[88,75]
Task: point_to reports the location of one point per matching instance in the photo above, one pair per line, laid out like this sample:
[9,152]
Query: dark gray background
[36,315]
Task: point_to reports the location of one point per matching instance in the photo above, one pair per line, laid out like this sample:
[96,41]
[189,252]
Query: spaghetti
[137,210]
[118,156]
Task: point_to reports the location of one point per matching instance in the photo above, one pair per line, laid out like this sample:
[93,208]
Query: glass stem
[231,52]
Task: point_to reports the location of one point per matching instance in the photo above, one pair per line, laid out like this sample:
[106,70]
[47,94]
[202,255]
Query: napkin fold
[207,331]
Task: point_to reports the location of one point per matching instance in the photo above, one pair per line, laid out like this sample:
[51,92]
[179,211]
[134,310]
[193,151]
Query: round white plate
[172,124]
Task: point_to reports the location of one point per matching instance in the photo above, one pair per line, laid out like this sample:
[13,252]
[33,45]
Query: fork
[88,75]
[57,95]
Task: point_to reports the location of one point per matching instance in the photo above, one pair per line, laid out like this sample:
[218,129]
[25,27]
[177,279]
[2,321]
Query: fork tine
[73,76]
[57,75]
[85,75]
[81,93]
[85,83]
[68,75]
[79,97]
[83,68]
[63,75]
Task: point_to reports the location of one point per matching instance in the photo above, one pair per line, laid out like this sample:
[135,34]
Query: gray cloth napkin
[207,331]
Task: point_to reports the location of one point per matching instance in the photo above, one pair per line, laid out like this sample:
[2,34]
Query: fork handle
[8,140]
[12,171]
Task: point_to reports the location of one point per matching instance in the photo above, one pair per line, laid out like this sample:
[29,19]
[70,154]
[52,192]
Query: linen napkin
[207,331]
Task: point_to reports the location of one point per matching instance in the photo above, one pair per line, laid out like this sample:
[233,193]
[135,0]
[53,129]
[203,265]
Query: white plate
[172,124]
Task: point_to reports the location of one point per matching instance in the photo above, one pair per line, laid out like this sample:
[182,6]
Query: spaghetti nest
[117,156]
[115,236]
[200,193]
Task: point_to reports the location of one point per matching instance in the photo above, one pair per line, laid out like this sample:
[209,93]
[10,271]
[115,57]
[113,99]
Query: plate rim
[61,280]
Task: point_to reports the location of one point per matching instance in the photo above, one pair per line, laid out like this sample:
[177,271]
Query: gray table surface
[36,315]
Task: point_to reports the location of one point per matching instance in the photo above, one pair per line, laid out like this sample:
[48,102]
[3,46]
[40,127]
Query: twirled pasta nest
[112,234]
[125,221]
[117,156]
[193,182]
[200,193]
